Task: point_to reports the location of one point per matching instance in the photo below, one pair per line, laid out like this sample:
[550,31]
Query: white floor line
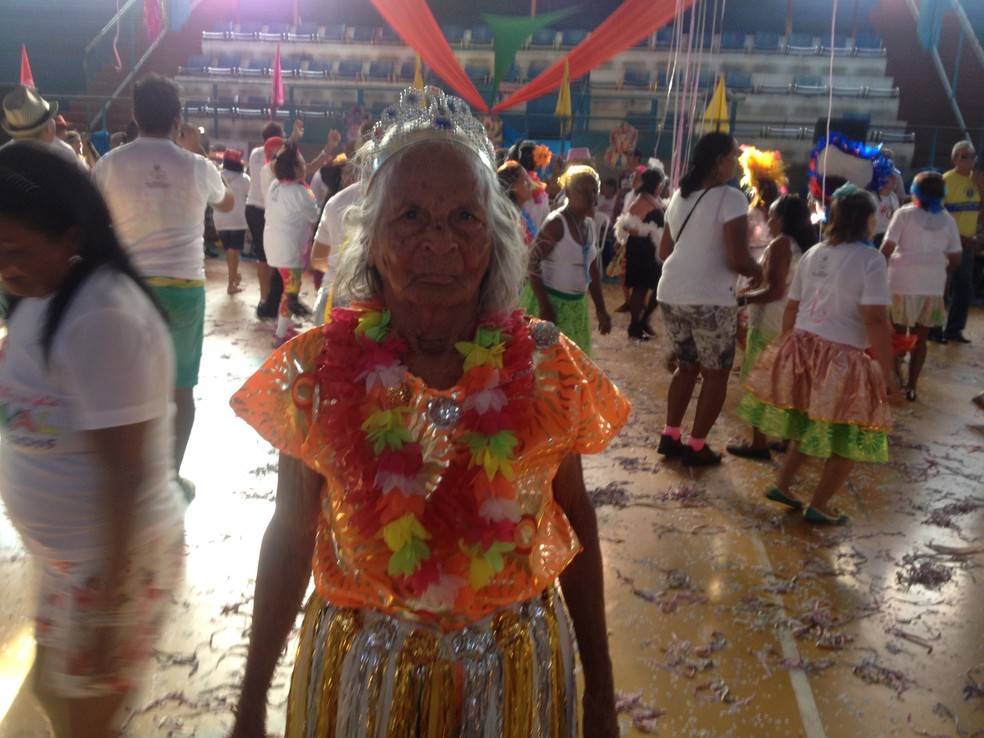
[809,713]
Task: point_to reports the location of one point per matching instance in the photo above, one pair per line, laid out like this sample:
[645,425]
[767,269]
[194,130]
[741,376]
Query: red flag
[277,91]
[27,79]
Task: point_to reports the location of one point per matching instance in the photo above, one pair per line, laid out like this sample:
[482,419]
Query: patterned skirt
[571,312]
[362,674]
[829,397]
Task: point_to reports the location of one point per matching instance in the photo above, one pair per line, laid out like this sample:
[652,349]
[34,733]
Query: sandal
[812,515]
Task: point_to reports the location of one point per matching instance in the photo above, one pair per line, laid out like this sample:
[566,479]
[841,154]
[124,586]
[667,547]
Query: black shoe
[669,446]
[704,457]
[648,329]
[265,311]
[638,333]
[747,451]
[298,308]
[936,337]
[956,338]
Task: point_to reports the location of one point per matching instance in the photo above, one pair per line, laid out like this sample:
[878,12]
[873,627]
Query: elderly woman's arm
[584,590]
[282,576]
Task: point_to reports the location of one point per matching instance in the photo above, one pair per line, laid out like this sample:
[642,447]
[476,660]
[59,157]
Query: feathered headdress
[758,165]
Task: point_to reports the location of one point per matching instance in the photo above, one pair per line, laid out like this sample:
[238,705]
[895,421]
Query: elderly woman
[815,385]
[564,262]
[87,470]
[430,437]
[704,248]
[922,245]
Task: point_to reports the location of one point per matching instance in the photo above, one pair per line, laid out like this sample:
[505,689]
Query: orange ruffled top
[575,408]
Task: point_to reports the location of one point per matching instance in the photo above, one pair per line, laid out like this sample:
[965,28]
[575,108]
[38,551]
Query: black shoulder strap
[676,239]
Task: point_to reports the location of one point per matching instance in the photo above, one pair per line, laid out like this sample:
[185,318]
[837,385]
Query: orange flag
[27,79]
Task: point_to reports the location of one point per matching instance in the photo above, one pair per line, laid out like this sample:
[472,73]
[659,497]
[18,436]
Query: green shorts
[185,309]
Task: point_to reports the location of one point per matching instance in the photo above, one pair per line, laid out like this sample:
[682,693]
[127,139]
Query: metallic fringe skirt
[362,674]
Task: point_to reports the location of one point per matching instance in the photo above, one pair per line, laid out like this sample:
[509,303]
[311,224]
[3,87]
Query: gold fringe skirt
[362,674]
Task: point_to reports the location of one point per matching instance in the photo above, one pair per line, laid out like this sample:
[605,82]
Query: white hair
[499,290]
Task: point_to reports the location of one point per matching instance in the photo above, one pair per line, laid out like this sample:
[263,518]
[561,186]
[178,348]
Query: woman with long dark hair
[87,471]
[704,248]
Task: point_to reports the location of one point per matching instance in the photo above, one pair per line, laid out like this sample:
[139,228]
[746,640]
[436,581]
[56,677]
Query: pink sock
[673,431]
[696,443]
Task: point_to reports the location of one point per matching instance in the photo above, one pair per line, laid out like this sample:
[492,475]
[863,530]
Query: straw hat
[25,112]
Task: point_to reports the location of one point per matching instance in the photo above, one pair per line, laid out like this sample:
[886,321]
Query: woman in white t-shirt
[922,245]
[704,248]
[291,212]
[815,385]
[87,470]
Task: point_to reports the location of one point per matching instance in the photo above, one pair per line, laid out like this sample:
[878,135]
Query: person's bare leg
[787,471]
[92,717]
[680,391]
[835,472]
[184,420]
[232,264]
[713,391]
[917,357]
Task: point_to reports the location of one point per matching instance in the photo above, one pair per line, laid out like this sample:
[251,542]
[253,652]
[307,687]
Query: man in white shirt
[29,118]
[157,192]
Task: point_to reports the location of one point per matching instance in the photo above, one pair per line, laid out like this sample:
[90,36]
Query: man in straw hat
[29,117]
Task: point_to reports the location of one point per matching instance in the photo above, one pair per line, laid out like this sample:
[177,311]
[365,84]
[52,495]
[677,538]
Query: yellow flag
[563,109]
[716,115]
[418,77]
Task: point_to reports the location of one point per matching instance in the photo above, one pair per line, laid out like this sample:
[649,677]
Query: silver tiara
[425,115]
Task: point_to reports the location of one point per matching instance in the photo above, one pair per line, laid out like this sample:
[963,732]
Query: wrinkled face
[32,263]
[432,245]
[582,195]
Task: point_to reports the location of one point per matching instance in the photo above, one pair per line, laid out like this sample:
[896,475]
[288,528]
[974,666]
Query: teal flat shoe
[776,495]
[812,515]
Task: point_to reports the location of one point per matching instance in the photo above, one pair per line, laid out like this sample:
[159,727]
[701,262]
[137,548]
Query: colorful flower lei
[448,526]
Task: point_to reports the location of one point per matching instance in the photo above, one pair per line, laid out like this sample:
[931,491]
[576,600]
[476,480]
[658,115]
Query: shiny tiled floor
[728,615]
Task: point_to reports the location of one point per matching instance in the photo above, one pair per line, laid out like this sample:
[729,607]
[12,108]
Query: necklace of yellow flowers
[448,525]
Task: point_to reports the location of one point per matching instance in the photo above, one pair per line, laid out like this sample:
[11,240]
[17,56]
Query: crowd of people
[430,434]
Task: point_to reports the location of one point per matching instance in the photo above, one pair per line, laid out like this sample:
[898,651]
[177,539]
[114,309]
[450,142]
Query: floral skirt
[828,397]
[363,674]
